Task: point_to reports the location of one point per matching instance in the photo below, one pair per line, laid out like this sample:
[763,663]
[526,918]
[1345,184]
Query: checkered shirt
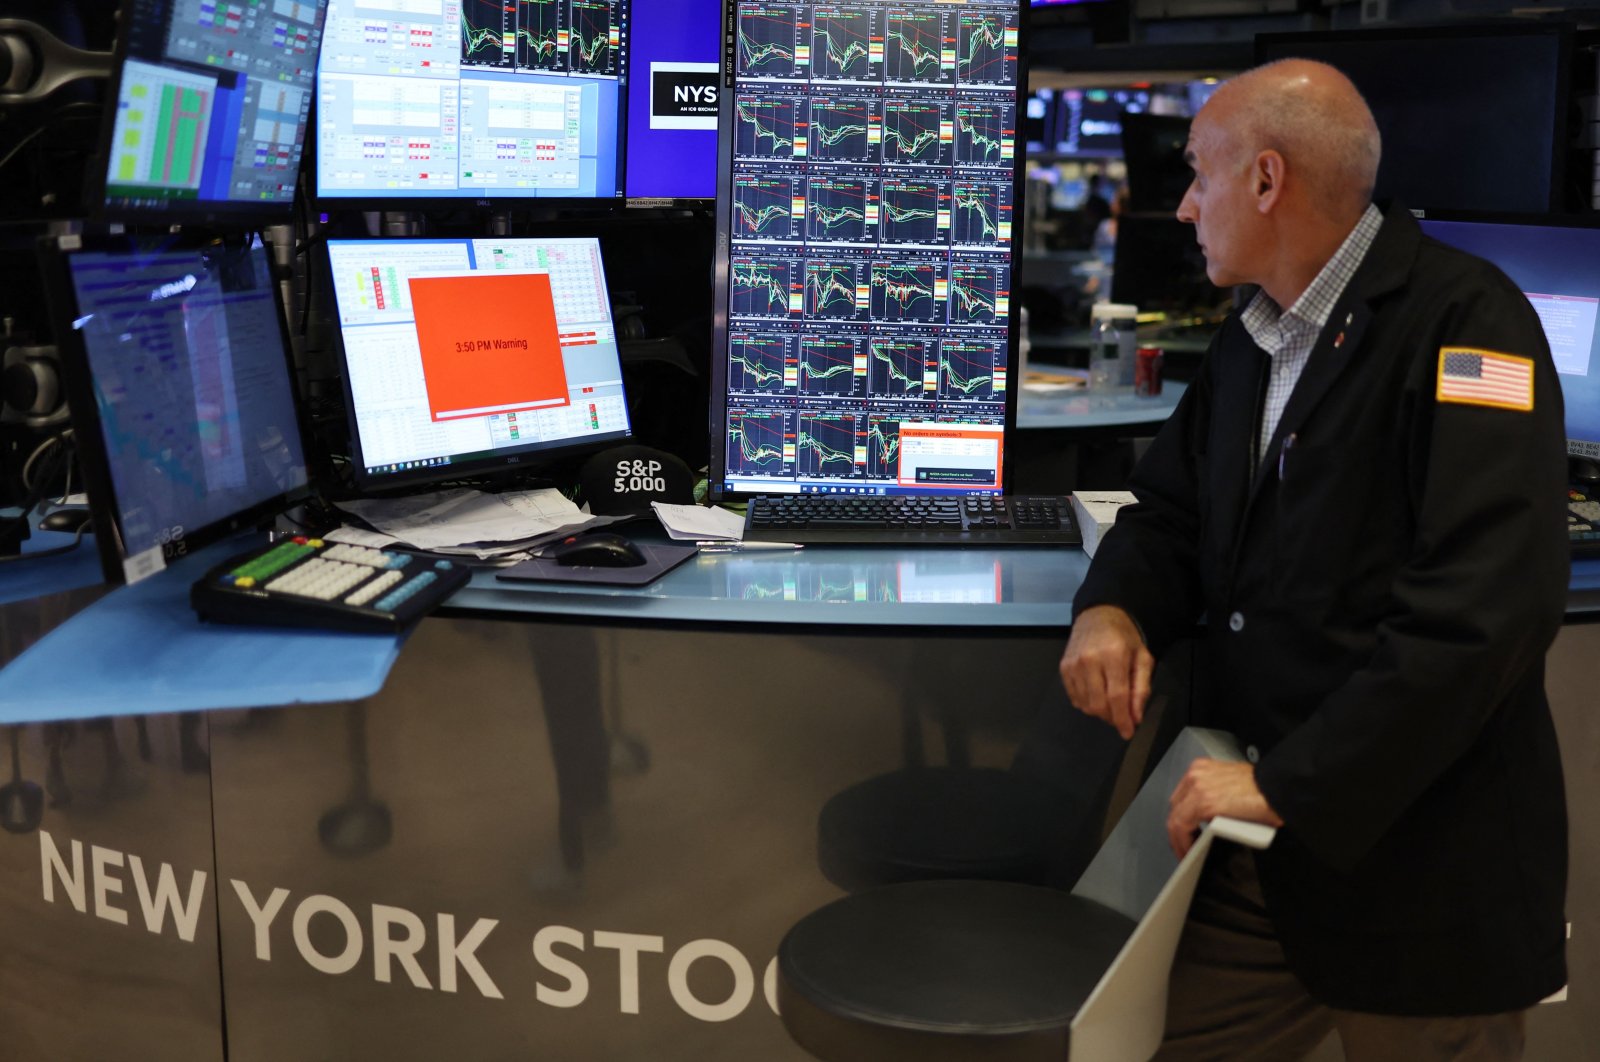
[1288,335]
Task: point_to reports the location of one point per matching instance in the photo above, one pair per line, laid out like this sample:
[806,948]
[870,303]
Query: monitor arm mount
[34,62]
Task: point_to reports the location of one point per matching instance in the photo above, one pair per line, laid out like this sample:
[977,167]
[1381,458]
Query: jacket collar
[1339,345]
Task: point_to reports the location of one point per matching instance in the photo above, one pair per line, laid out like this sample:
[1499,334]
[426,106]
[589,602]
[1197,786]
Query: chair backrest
[1137,873]
[1135,862]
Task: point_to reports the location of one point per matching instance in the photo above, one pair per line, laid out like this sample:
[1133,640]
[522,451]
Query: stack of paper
[699,523]
[467,523]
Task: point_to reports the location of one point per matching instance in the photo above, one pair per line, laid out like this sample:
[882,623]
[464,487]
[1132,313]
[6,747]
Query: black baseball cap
[624,480]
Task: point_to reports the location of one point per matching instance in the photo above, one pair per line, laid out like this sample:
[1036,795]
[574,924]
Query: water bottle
[1111,350]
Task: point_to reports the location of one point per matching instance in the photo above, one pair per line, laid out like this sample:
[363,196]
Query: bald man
[1363,495]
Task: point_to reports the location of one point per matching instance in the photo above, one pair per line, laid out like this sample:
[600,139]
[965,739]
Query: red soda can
[1147,372]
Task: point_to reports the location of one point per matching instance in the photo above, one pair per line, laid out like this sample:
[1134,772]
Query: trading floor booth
[566,820]
[550,822]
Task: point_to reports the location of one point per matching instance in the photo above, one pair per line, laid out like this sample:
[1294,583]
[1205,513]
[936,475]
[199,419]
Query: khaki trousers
[1233,998]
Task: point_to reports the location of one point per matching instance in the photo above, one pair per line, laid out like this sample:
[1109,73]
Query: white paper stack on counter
[699,523]
[467,523]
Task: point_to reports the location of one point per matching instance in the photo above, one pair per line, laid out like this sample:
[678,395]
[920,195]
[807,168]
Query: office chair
[947,971]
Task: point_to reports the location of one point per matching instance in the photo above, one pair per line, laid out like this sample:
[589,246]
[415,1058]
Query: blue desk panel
[1024,587]
[141,650]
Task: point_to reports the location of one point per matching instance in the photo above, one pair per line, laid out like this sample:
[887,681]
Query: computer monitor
[1556,263]
[210,111]
[673,85]
[1090,122]
[1039,117]
[869,181]
[176,367]
[1473,118]
[1159,268]
[485,102]
[468,357]
[1152,150]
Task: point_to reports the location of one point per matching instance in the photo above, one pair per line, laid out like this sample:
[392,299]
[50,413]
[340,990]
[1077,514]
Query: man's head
[1284,158]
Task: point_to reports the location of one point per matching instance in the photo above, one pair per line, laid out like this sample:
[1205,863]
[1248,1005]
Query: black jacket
[1379,597]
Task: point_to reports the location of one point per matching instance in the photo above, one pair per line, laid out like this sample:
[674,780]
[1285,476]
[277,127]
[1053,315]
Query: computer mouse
[68,520]
[597,549]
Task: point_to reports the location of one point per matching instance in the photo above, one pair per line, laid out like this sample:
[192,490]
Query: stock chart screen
[869,212]
[471,99]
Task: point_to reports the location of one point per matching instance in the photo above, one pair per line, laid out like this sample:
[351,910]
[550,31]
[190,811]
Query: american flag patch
[1473,377]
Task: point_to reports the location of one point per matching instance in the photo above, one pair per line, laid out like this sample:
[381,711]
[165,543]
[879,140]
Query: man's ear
[1267,177]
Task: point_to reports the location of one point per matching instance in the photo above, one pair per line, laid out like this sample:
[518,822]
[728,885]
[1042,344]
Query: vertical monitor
[212,100]
[479,100]
[177,370]
[1557,265]
[470,356]
[673,84]
[1472,118]
[870,190]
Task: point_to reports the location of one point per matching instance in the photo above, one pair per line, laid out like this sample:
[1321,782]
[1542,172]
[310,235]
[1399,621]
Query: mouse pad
[659,560]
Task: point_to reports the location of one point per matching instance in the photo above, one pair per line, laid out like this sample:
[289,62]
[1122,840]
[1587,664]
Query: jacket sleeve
[1474,605]
[1148,563]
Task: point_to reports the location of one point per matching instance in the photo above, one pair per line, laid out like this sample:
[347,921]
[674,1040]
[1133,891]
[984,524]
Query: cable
[24,142]
[52,552]
[39,131]
[27,467]
[35,492]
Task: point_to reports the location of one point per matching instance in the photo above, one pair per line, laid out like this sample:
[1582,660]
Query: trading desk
[571,823]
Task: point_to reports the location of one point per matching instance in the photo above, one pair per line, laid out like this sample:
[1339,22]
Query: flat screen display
[1089,121]
[468,356]
[1472,118]
[1558,267]
[182,398]
[477,100]
[212,100]
[673,86]
[869,197]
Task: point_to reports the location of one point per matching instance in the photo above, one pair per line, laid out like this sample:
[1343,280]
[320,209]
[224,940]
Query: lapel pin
[1348,318]
[1338,341]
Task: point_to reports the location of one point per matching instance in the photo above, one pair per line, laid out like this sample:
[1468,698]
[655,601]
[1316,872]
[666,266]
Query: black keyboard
[1583,521]
[898,520]
[309,582]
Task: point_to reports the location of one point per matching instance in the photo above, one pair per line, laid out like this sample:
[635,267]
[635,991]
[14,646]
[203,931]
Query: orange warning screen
[489,344]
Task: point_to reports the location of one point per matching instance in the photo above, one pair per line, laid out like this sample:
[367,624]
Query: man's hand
[1212,788]
[1106,667]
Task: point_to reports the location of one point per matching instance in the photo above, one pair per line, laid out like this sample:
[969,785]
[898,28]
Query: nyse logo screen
[683,96]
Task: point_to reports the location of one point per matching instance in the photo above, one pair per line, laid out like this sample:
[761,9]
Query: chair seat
[939,822]
[944,970]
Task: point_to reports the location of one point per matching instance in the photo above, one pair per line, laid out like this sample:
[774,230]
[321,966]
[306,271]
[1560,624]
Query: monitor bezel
[534,204]
[1565,33]
[55,255]
[250,214]
[722,255]
[511,462]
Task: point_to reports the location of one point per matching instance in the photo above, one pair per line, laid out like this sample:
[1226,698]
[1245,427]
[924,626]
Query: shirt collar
[1315,305]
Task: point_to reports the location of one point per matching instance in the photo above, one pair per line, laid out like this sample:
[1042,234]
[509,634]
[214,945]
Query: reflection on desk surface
[934,579]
